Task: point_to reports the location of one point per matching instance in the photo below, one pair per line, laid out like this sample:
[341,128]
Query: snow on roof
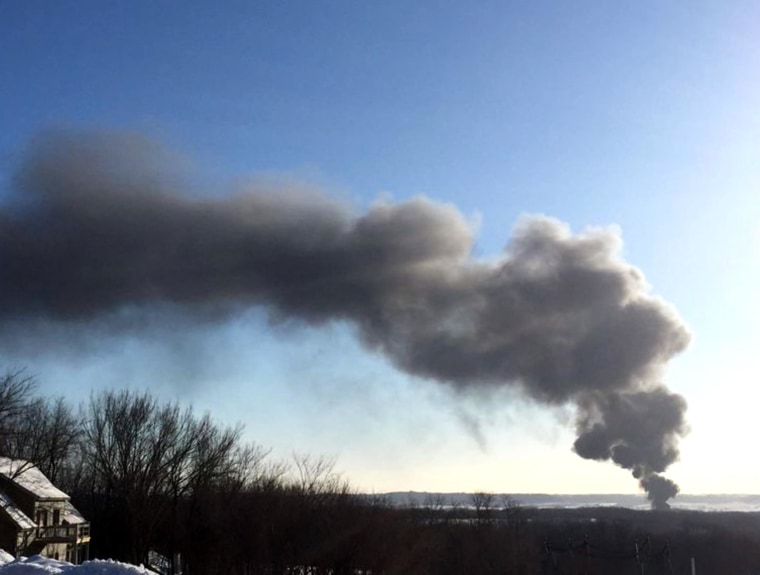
[19,517]
[5,557]
[37,565]
[71,514]
[26,475]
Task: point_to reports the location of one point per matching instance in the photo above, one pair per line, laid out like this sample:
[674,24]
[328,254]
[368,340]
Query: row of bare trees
[41,430]
[156,476]
[142,463]
[127,459]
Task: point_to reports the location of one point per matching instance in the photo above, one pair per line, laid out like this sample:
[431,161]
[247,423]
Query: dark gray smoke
[659,489]
[638,430]
[93,227]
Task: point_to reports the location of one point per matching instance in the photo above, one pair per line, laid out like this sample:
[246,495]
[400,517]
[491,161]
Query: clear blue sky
[642,115]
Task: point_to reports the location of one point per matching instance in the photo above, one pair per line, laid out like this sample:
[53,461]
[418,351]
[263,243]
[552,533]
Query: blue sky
[641,115]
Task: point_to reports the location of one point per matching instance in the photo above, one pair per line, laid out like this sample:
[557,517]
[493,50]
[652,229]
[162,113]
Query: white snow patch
[13,511]
[37,565]
[26,475]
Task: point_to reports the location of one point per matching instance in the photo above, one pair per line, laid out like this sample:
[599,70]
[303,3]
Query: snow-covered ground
[37,565]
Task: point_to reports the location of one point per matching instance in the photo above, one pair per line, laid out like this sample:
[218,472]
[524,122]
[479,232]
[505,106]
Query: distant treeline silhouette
[152,476]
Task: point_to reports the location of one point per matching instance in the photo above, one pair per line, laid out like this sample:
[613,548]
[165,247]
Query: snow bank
[37,565]
[100,567]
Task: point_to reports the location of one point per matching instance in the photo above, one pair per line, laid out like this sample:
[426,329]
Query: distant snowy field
[37,565]
[746,503]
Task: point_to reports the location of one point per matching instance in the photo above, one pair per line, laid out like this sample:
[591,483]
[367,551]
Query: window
[56,516]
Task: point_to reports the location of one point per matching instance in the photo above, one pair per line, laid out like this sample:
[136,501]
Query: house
[37,518]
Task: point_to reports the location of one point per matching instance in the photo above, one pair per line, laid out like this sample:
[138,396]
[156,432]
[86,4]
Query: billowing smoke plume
[638,430]
[93,227]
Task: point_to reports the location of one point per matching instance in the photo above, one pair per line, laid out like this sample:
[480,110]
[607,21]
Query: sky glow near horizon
[643,117]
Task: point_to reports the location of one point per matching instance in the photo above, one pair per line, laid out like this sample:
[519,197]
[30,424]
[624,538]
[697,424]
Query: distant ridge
[709,502]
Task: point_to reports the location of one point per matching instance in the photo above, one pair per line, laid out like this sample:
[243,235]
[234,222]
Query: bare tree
[316,476]
[483,504]
[16,390]
[45,433]
[434,506]
[143,458]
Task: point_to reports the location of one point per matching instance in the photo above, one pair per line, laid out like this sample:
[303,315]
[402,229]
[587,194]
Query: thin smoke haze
[93,227]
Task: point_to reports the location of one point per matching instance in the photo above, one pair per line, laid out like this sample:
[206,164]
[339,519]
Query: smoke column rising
[93,226]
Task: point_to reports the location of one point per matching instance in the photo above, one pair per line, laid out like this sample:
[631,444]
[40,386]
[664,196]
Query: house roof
[20,518]
[27,476]
[71,514]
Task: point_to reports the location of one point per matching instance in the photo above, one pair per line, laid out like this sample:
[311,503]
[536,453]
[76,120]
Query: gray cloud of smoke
[638,430]
[93,227]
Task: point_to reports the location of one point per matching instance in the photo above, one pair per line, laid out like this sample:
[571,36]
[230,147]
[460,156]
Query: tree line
[153,476]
